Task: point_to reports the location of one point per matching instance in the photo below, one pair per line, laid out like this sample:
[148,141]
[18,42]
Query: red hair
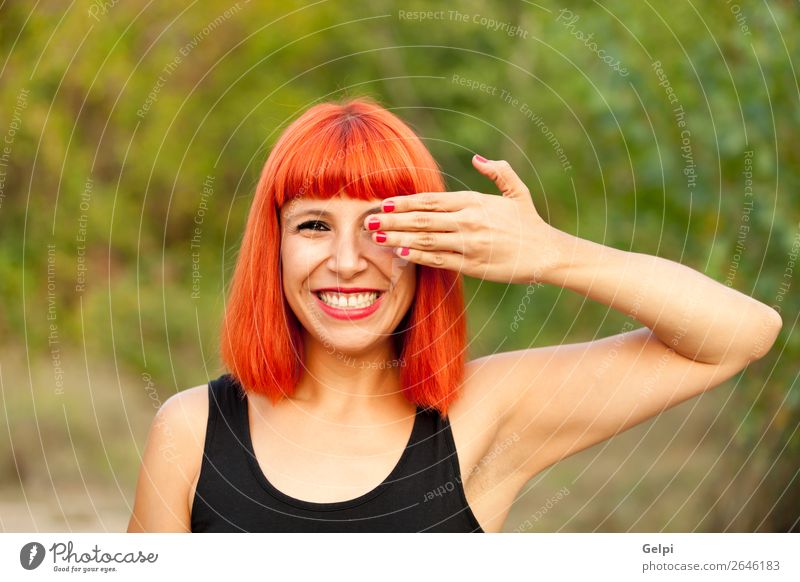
[360,146]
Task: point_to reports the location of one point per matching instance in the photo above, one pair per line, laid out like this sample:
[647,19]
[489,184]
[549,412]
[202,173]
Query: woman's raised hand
[495,238]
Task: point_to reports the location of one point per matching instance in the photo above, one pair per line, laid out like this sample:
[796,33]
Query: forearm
[696,316]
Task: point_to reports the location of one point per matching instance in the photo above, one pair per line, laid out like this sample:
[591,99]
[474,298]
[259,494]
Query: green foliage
[148,104]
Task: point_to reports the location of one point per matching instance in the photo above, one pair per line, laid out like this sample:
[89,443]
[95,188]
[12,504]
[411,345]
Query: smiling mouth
[359,300]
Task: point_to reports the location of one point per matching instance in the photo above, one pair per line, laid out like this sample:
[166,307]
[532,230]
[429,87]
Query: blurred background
[133,134]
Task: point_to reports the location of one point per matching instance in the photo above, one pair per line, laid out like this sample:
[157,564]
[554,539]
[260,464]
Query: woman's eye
[311,225]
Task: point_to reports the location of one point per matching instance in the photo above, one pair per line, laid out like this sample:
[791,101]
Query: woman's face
[326,246]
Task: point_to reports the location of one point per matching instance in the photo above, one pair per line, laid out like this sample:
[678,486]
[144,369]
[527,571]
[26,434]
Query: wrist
[552,254]
[562,253]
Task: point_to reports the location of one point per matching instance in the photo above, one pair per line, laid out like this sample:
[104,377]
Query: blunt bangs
[360,149]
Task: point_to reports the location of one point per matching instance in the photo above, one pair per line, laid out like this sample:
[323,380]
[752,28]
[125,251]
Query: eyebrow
[320,212]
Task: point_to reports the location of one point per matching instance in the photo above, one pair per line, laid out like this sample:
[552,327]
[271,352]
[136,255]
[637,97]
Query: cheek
[300,258]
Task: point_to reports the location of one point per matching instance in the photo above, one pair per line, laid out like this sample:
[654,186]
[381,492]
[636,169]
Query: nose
[347,254]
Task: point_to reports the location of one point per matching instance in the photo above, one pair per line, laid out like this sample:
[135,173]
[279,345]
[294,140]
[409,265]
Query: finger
[440,260]
[426,201]
[454,242]
[503,175]
[414,221]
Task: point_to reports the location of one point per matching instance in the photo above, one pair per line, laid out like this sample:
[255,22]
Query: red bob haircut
[359,146]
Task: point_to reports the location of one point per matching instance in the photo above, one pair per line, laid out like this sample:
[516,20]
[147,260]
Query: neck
[351,384]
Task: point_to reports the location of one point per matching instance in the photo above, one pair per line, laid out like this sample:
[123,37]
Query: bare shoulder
[170,463]
[481,402]
[488,386]
[181,421]
[479,393]
[188,408]
[494,373]
[180,424]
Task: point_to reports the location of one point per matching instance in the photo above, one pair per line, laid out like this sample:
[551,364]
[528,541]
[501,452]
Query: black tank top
[423,493]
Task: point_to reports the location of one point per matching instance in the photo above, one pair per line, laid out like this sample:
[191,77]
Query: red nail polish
[388,206]
[374,224]
[380,236]
[480,158]
[404,252]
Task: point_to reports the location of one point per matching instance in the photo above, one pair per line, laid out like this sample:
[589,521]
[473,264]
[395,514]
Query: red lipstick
[347,289]
[349,313]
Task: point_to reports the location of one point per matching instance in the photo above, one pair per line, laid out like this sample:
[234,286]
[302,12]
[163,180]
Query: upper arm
[170,462]
[559,400]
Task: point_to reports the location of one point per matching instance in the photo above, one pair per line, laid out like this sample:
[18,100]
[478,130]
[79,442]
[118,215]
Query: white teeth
[348,300]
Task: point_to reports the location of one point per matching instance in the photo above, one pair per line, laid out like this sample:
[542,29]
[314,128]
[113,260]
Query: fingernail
[374,224]
[388,206]
[404,252]
[380,236]
[480,158]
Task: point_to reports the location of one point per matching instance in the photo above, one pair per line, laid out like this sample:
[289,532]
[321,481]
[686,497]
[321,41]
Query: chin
[354,349]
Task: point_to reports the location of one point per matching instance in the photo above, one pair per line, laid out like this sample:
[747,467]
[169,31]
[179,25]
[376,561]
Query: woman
[348,405]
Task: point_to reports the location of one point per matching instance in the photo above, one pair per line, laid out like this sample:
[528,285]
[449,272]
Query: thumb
[505,178]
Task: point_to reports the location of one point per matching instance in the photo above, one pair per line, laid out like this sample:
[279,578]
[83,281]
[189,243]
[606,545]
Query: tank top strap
[226,403]
[227,406]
